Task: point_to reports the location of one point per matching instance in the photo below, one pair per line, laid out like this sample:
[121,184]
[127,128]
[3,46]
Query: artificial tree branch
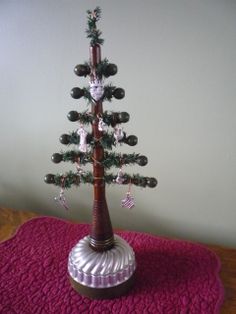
[111,118]
[92,32]
[110,159]
[107,140]
[72,178]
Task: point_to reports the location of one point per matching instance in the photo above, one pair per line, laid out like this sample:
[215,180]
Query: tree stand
[102,275]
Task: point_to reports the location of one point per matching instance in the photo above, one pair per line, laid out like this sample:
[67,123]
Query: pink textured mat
[173,277]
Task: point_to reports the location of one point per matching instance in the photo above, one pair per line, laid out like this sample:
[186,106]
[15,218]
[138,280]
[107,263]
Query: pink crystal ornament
[61,199]
[120,177]
[102,126]
[83,139]
[79,168]
[128,201]
[118,134]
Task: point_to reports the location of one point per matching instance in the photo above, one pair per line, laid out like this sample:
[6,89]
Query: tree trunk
[101,234]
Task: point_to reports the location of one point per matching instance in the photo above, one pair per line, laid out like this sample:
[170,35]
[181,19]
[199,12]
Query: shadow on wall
[18,198]
[143,220]
[136,219]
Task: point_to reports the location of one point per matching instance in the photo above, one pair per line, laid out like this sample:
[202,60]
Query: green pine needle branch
[111,159]
[72,178]
[92,32]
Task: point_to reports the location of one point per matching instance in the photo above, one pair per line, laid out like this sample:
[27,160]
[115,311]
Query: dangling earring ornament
[118,134]
[61,198]
[128,201]
[83,139]
[120,177]
[78,167]
[102,126]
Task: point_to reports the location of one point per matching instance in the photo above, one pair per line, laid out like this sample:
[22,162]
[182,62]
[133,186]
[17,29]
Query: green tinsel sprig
[74,138]
[101,67]
[69,178]
[92,32]
[108,92]
[117,160]
[87,95]
[107,141]
[110,159]
[111,118]
[74,156]
[135,179]
[85,117]
[72,178]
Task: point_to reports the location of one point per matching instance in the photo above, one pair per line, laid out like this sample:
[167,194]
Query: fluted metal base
[102,275]
[103,293]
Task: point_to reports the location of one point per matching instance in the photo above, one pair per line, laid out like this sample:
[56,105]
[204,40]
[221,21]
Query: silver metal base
[101,270]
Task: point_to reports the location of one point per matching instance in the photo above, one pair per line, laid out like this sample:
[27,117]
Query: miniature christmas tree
[94,266]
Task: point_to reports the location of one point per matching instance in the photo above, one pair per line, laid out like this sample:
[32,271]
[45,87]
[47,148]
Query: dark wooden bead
[73,116]
[111,69]
[151,182]
[77,93]
[123,117]
[56,158]
[131,140]
[82,70]
[65,139]
[142,160]
[49,178]
[119,93]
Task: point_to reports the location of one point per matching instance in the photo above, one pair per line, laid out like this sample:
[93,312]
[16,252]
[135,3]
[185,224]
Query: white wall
[176,61]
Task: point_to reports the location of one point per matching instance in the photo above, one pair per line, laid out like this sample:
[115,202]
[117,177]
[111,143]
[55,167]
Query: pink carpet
[173,277]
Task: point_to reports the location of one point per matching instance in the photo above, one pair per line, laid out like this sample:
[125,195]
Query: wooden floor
[11,219]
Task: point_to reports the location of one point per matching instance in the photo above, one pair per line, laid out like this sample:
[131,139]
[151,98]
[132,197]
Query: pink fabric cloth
[173,277]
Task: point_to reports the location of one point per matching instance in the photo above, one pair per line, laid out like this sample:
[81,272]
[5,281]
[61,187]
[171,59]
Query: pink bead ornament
[128,201]
[118,134]
[120,177]
[61,199]
[102,126]
[83,139]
